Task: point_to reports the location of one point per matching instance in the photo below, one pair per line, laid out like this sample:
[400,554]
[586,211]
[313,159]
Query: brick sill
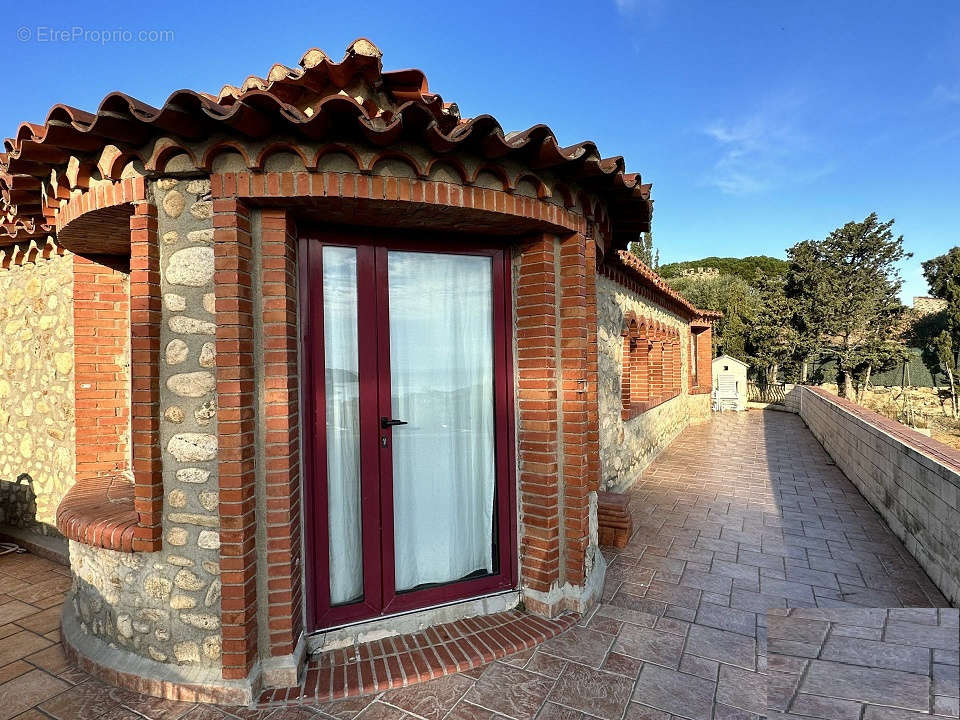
[99,511]
[640,408]
[404,660]
[697,390]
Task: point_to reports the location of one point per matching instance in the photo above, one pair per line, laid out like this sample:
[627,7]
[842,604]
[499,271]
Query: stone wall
[160,606]
[894,468]
[628,446]
[36,389]
[166,605]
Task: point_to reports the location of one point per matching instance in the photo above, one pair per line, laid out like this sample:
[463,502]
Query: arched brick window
[651,372]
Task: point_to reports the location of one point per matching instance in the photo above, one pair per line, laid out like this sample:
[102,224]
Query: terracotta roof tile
[638,269]
[315,100]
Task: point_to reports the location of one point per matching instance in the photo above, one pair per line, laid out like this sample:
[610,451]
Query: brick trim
[98,511]
[235,428]
[578,395]
[405,660]
[106,314]
[231,193]
[704,384]
[281,408]
[537,400]
[104,195]
[145,319]
[651,366]
[392,189]
[101,331]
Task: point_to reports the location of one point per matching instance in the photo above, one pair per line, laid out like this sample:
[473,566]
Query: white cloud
[946,95]
[630,8]
[764,149]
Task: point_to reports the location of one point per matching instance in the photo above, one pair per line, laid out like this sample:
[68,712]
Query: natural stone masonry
[911,480]
[36,389]
[875,664]
[166,605]
[628,446]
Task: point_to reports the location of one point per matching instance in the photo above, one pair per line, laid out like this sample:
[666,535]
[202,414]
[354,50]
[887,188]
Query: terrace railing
[767,393]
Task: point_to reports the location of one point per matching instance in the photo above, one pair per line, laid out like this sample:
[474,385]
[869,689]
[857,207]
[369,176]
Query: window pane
[441,370]
[343,423]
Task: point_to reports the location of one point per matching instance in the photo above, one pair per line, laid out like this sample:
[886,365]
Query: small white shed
[729,383]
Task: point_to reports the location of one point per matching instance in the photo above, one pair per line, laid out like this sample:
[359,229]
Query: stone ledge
[139,674]
[937,451]
[99,512]
[49,547]
[405,660]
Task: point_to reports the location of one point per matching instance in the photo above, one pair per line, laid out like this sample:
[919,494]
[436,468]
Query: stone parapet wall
[911,480]
[628,446]
[36,390]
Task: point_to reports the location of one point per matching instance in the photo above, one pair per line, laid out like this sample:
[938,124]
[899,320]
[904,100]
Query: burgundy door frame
[380,597]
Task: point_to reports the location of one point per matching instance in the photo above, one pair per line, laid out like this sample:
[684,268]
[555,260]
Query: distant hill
[745,268]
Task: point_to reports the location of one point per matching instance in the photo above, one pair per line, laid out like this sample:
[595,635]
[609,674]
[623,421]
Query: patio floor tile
[592,691]
[740,515]
[675,692]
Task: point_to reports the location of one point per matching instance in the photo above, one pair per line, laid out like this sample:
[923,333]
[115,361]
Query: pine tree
[845,291]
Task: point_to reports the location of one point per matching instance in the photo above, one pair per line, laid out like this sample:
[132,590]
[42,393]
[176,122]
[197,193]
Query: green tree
[643,249]
[942,337]
[745,267]
[771,340]
[845,288]
[942,274]
[734,297]
[943,349]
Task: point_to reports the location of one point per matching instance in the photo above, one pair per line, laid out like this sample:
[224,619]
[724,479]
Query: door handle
[386,422]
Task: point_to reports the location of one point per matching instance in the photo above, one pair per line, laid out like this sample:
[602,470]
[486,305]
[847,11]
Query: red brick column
[281,408]
[704,358]
[705,368]
[578,323]
[235,426]
[536,310]
[676,363]
[145,375]
[656,365]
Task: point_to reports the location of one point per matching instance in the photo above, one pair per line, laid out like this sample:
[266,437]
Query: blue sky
[759,123]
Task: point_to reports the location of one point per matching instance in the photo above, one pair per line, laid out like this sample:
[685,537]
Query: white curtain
[343,423]
[441,363]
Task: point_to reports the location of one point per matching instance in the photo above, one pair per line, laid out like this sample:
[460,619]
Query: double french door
[406,349]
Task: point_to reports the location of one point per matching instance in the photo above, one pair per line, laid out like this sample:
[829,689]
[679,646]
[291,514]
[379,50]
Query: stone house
[315,360]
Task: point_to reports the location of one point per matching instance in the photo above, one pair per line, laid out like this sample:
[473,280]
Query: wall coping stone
[933,454]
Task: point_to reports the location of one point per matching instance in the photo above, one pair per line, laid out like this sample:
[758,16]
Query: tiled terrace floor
[739,515]
[871,663]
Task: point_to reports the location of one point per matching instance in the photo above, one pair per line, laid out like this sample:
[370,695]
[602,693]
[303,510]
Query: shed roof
[730,358]
[318,99]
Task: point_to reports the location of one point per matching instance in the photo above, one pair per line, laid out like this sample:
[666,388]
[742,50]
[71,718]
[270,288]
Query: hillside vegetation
[745,268]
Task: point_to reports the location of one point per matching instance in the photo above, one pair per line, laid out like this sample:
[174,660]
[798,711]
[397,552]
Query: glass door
[410,464]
